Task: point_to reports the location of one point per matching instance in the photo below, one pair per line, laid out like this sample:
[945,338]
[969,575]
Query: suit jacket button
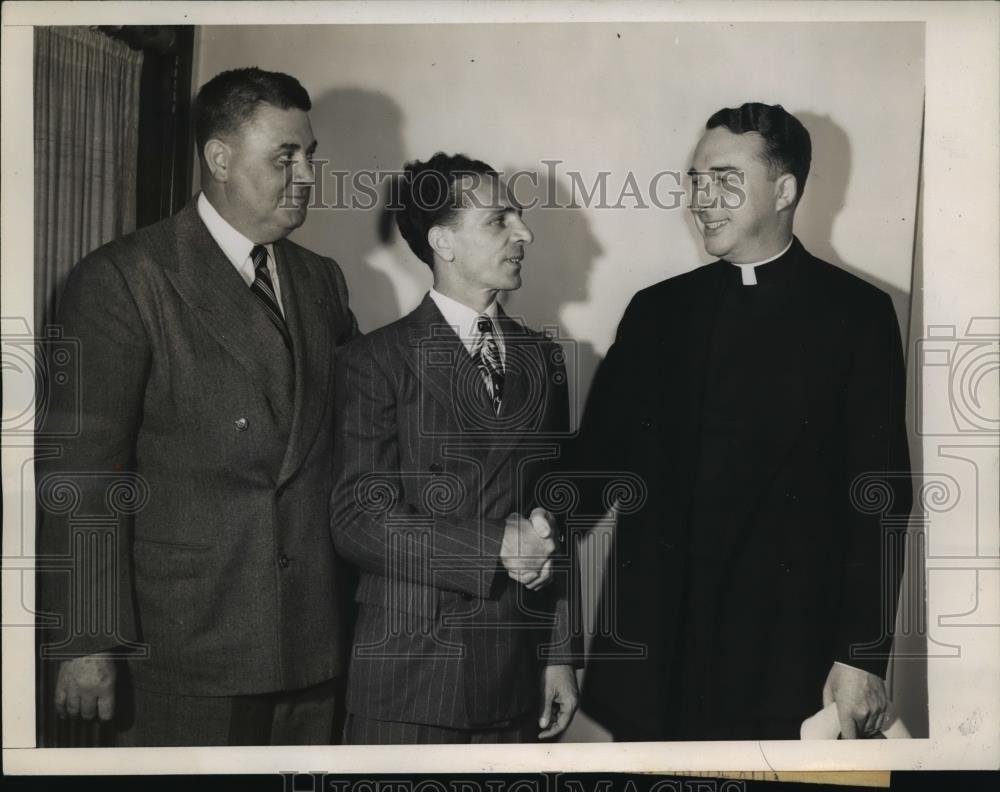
[466,597]
[283,561]
[435,467]
[241,424]
[626,564]
[646,423]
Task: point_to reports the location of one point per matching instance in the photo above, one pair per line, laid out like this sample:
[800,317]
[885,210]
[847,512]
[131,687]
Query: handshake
[527,548]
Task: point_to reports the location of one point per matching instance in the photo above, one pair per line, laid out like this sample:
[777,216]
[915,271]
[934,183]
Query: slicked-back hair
[787,145]
[229,100]
[427,196]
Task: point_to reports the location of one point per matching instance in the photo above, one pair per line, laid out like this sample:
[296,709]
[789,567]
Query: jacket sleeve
[565,644]
[340,288]
[87,487]
[880,491]
[374,524]
[599,445]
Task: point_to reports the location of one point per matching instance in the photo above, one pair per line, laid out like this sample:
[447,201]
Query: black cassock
[750,412]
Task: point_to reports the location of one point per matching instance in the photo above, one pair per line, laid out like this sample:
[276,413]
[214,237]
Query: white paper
[825,725]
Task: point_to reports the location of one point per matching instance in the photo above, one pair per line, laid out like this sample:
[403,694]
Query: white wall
[602,97]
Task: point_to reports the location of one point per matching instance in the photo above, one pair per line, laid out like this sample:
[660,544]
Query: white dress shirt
[237,247]
[462,319]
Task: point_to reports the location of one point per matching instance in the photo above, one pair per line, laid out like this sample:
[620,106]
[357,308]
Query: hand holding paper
[825,725]
[862,706]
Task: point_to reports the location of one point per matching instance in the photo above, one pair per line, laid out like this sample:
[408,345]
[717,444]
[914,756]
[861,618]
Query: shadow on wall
[826,195]
[360,133]
[824,198]
[557,271]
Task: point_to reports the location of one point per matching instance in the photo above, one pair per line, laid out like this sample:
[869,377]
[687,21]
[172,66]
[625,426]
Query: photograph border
[959,282]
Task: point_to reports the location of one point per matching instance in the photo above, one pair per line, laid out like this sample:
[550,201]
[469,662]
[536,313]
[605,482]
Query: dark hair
[787,146]
[229,100]
[426,197]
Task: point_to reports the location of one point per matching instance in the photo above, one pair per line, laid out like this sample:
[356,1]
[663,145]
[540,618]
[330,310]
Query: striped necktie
[487,355]
[263,289]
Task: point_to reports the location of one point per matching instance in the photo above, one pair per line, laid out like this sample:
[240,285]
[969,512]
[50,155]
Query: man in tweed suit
[446,421]
[206,345]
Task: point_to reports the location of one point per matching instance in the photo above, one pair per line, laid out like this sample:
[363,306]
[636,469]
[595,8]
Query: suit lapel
[449,376]
[523,365]
[308,319]
[443,365]
[209,284]
[521,362]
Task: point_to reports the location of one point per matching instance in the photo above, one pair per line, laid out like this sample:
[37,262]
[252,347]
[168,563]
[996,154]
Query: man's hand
[861,700]
[560,698]
[85,687]
[526,548]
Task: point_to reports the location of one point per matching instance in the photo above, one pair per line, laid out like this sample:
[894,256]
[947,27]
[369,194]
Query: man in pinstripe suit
[446,421]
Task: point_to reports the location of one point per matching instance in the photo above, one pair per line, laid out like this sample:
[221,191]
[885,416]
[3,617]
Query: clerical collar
[750,273]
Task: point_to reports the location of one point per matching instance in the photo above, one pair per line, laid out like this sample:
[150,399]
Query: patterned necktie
[487,355]
[263,289]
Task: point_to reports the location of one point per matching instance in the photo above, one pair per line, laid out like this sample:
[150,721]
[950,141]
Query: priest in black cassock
[761,400]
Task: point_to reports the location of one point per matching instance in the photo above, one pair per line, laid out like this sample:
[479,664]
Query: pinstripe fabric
[369,731]
[426,475]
